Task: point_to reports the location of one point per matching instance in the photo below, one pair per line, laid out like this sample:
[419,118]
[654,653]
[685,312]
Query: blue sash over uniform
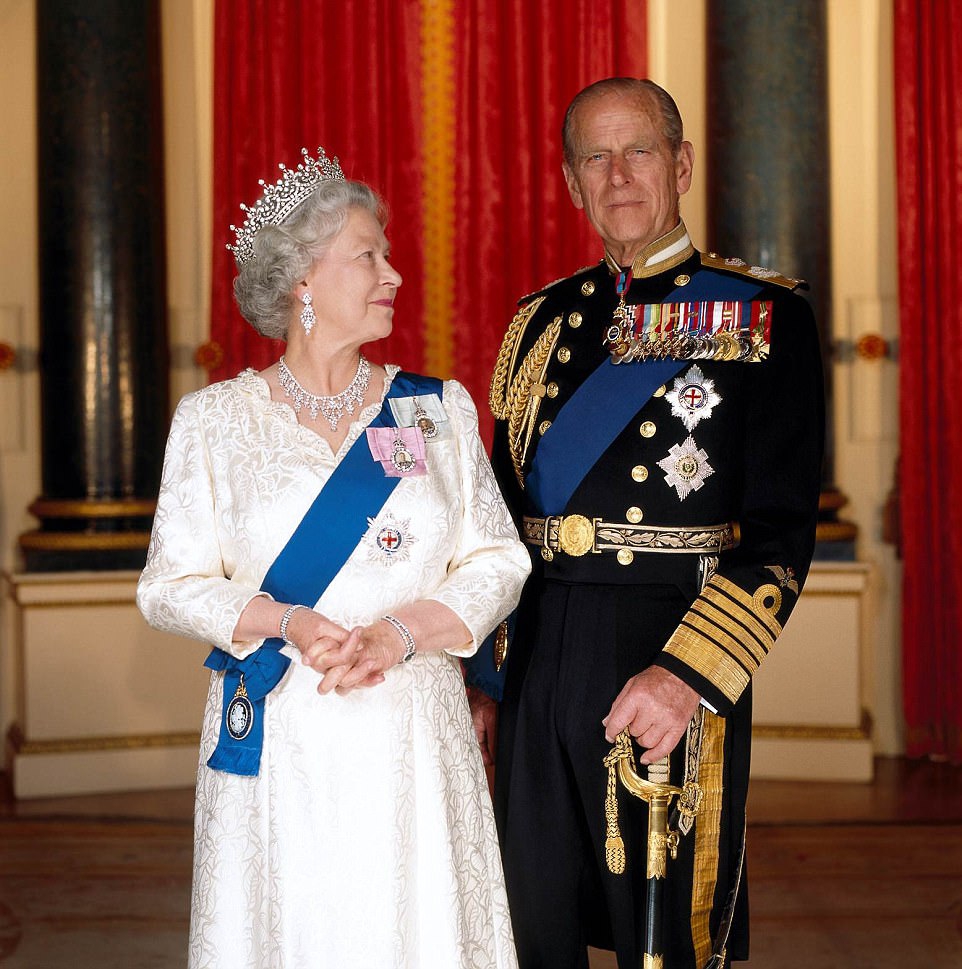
[605,402]
[611,396]
[313,556]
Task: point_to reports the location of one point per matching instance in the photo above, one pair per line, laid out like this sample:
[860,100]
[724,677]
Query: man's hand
[484,716]
[656,707]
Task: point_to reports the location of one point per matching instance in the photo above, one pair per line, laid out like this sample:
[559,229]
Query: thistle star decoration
[686,467]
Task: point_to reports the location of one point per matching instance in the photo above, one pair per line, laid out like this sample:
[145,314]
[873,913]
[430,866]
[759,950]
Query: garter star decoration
[390,540]
[693,397]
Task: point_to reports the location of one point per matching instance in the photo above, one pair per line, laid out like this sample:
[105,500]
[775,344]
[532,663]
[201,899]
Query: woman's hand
[306,629]
[351,660]
[367,653]
[316,637]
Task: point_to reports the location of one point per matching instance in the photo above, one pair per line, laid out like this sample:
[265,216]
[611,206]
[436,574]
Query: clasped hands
[347,659]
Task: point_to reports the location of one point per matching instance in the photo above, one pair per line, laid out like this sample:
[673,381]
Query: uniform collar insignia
[661,255]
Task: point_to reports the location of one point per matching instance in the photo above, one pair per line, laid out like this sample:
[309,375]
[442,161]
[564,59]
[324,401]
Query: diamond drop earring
[308,319]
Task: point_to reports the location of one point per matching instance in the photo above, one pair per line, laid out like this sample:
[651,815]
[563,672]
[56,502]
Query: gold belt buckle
[576,535]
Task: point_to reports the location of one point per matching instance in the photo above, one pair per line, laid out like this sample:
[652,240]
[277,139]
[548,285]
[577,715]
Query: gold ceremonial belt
[577,535]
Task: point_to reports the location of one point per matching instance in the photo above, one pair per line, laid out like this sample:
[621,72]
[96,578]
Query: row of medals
[625,346]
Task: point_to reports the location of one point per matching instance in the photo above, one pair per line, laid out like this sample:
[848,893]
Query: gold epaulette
[504,365]
[713,261]
[523,398]
[508,354]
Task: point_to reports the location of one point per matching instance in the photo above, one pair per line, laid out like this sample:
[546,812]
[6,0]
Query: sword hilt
[658,793]
[620,762]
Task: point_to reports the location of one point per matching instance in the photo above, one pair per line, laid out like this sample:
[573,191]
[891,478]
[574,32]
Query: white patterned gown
[367,839]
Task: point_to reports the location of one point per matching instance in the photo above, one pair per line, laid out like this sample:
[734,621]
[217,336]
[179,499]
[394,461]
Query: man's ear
[573,189]
[684,164]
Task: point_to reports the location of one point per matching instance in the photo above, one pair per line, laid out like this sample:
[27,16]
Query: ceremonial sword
[658,793]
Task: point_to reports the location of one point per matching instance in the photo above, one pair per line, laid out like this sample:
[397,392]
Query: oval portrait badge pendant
[401,457]
[424,423]
[240,713]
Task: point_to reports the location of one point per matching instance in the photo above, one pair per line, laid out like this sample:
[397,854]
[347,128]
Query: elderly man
[659,439]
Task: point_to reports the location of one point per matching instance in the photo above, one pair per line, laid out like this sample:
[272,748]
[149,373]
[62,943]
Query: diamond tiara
[280,199]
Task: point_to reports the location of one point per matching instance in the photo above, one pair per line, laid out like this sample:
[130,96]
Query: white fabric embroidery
[367,840]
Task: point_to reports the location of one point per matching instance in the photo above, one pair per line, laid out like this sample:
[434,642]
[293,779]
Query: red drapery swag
[452,110]
[928,102]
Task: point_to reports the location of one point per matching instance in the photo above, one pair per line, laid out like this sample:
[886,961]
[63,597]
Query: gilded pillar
[768,162]
[103,335]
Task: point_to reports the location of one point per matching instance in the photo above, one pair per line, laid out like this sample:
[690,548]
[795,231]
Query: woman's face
[353,285]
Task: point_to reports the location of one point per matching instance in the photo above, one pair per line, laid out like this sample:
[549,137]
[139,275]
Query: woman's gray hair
[284,254]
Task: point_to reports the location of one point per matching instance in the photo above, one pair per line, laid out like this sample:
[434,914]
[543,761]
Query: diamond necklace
[333,408]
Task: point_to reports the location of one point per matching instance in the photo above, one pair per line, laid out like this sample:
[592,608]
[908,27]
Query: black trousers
[574,648]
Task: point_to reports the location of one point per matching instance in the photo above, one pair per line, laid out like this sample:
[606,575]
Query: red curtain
[343,74]
[928,101]
[518,65]
[452,110]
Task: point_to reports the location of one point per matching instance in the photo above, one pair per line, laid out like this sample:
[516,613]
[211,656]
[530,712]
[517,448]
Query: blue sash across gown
[321,544]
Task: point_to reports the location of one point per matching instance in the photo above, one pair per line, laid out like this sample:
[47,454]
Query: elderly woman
[333,529]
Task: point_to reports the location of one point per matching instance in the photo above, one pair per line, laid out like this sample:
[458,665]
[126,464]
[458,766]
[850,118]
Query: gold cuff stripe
[707,834]
[739,639]
[723,590]
[722,638]
[719,647]
[710,660]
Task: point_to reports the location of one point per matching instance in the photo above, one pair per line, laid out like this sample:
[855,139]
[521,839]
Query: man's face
[623,173]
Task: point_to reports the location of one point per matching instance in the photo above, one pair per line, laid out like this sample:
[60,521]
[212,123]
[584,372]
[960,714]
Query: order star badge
[692,397]
[686,467]
[389,540]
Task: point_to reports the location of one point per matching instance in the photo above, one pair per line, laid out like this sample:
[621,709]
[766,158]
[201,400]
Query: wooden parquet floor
[843,876]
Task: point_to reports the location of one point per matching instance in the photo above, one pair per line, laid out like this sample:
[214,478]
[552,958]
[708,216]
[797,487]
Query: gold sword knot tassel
[620,762]
[614,845]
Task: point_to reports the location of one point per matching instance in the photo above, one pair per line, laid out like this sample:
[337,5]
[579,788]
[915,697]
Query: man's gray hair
[640,88]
